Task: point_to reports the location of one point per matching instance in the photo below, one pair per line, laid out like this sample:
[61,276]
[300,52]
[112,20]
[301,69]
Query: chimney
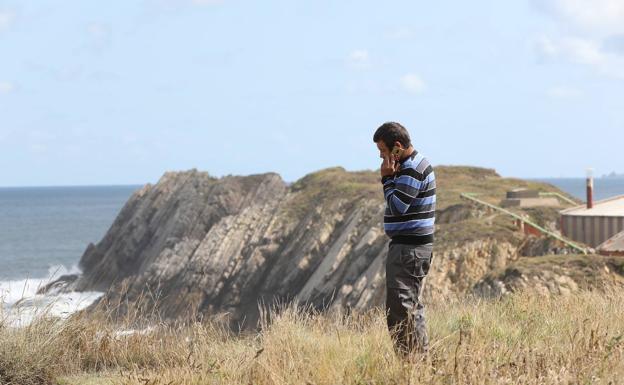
[590,188]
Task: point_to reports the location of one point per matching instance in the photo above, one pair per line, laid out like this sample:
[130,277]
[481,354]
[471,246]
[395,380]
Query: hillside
[201,245]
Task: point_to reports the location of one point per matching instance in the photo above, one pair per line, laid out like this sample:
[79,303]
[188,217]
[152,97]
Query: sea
[45,230]
[43,233]
[603,187]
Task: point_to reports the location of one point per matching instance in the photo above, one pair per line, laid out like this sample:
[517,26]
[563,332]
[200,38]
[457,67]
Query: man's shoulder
[418,166]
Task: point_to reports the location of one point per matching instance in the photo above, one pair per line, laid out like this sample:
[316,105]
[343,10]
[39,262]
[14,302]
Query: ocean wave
[21,304]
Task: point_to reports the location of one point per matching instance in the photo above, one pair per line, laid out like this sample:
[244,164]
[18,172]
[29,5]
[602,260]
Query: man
[410,192]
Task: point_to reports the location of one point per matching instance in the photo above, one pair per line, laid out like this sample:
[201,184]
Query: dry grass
[520,339]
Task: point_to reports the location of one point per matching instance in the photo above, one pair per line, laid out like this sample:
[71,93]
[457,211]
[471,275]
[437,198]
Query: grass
[520,339]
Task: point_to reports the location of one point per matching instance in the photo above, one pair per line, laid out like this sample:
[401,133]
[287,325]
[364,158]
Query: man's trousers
[406,268]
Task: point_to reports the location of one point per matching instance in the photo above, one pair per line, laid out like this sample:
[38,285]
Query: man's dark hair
[391,132]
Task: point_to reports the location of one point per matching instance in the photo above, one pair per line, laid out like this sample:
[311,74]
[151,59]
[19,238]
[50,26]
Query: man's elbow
[399,209]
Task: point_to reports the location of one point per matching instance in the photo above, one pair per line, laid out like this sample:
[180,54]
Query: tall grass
[519,339]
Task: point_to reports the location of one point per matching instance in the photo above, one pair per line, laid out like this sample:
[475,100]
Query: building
[595,222]
[613,246]
[524,198]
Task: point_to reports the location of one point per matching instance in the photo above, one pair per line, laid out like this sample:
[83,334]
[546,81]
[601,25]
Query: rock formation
[561,274]
[198,245]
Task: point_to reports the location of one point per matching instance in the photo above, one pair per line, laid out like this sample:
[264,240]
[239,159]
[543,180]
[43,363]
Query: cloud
[412,83]
[6,87]
[583,51]
[546,47]
[603,17]
[6,19]
[359,59]
[580,50]
[563,92]
[591,32]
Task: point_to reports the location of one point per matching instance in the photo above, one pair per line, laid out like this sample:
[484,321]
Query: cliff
[555,274]
[202,245]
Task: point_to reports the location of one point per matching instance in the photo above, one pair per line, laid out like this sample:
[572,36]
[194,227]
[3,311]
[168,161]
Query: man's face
[384,151]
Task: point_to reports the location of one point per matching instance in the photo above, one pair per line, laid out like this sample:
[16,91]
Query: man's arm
[399,191]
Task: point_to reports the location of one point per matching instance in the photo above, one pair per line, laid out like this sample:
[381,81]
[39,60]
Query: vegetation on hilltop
[324,186]
[451,181]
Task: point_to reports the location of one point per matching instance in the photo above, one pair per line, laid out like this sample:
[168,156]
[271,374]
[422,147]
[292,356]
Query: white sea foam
[21,303]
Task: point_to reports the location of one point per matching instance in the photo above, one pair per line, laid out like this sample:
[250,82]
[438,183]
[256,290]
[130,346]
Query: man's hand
[389,166]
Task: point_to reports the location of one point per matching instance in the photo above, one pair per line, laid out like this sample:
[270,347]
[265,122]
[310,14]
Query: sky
[95,93]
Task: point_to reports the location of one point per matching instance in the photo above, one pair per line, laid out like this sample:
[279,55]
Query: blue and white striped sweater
[410,201]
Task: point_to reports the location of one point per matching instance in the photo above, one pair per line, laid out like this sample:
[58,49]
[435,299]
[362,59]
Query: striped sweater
[410,197]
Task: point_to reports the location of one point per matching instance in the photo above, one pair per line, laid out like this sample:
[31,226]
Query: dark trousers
[406,268]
